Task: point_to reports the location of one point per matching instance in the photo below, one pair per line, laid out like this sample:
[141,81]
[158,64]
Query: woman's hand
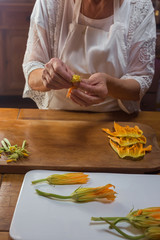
[100,85]
[91,91]
[56,75]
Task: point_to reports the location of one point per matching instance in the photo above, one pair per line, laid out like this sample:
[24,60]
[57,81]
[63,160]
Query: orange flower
[91,194]
[63,179]
[145,217]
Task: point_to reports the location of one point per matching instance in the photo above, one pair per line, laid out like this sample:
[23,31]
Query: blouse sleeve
[141,50]
[39,49]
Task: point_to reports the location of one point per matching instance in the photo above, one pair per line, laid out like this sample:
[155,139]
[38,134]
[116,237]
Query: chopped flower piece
[11,160]
[85,194]
[134,151]
[124,131]
[25,154]
[63,179]
[69,91]
[13,152]
[127,141]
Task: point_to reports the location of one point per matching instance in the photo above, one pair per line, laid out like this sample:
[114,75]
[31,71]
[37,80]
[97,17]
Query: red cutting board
[73,146]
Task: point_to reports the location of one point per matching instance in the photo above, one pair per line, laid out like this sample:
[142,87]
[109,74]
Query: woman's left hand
[91,91]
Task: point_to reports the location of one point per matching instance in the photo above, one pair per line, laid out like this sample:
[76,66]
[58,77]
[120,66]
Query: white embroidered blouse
[49,29]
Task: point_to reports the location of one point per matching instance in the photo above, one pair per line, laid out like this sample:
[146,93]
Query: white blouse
[49,28]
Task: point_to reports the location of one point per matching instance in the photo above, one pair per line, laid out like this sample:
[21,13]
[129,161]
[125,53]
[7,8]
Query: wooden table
[10,184]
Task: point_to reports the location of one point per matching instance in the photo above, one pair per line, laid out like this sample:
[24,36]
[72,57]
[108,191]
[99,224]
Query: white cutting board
[40,218]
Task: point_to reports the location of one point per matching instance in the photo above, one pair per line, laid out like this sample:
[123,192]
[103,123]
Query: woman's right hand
[56,75]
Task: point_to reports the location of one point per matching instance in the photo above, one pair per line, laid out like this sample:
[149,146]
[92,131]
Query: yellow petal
[124,131]
[11,160]
[69,92]
[127,141]
[134,151]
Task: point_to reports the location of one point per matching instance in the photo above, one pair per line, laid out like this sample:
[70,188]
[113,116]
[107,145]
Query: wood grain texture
[9,191]
[149,118]
[73,146]
[9,113]
[4,236]
[38,114]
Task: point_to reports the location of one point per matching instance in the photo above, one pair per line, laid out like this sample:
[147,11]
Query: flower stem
[38,181]
[123,233]
[121,219]
[50,195]
[100,218]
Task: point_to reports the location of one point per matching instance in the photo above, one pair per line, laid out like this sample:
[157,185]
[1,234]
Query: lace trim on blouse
[146,51]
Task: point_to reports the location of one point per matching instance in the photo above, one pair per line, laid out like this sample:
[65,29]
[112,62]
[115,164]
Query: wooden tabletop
[150,118]
[10,184]
[9,113]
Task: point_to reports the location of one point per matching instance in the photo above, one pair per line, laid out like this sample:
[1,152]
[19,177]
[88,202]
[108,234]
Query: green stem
[39,180]
[23,144]
[4,145]
[100,218]
[7,141]
[123,233]
[49,195]
[121,219]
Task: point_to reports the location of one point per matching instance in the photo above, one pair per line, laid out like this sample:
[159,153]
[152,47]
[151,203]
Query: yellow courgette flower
[85,194]
[64,179]
[91,194]
[145,217]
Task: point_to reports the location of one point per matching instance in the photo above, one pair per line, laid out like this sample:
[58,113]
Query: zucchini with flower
[85,194]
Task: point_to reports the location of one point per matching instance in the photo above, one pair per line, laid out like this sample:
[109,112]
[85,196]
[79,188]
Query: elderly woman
[109,43]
